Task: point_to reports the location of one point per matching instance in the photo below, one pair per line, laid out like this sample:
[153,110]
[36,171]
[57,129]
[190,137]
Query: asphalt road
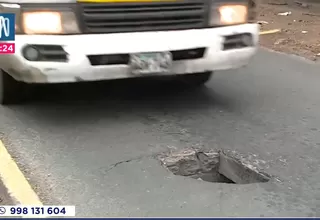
[68,140]
[5,198]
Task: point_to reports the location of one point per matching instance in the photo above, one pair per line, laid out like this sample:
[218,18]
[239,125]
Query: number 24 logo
[6,48]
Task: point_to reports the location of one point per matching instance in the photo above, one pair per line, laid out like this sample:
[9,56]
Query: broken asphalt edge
[294,56]
[229,164]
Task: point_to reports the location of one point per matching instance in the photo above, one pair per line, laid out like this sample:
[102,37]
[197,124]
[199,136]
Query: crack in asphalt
[114,165]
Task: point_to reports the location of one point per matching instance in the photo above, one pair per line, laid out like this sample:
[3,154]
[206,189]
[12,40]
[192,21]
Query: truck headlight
[49,22]
[233,14]
[228,15]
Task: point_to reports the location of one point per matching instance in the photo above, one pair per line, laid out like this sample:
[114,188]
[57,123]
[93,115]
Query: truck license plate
[150,63]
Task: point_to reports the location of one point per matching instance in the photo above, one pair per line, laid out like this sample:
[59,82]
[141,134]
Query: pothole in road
[212,166]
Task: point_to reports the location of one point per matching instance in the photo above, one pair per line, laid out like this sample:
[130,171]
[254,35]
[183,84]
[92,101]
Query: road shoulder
[298,24]
[5,198]
[14,187]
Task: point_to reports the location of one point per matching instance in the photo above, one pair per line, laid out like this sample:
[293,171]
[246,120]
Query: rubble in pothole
[212,166]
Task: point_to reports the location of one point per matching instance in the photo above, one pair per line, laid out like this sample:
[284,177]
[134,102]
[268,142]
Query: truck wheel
[195,79]
[10,90]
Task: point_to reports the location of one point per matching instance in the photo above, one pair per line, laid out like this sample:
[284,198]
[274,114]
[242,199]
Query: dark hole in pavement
[217,167]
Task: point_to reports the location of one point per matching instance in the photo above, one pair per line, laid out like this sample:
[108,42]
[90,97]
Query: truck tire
[195,79]
[11,91]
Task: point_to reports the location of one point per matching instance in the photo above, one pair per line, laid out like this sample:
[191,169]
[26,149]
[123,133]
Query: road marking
[16,183]
[270,31]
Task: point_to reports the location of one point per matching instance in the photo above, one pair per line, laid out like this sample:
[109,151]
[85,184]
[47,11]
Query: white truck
[68,41]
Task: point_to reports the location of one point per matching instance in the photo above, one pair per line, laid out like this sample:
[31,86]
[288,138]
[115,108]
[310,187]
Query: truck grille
[151,16]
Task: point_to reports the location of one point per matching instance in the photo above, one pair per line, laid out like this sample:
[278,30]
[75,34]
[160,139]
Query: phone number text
[37,211]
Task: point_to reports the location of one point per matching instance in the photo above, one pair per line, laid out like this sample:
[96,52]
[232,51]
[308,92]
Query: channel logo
[7,27]
[7,33]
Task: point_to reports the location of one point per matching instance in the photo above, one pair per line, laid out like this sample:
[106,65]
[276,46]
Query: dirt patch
[212,166]
[299,34]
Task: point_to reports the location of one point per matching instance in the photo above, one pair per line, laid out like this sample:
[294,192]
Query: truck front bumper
[222,50]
